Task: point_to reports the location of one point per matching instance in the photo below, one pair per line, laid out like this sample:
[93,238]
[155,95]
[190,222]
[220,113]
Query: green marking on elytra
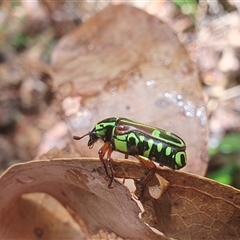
[156,133]
[178,158]
[168,137]
[159,147]
[168,151]
[141,138]
[133,135]
[150,145]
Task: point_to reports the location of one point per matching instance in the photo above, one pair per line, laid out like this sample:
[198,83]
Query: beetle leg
[126,157]
[111,176]
[107,148]
[102,151]
[150,165]
[143,182]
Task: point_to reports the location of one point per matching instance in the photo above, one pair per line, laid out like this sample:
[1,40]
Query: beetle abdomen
[137,143]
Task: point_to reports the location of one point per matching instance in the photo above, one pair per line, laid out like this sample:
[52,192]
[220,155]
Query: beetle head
[93,137]
[102,130]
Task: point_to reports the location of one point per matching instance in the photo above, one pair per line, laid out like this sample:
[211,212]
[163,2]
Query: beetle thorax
[104,130]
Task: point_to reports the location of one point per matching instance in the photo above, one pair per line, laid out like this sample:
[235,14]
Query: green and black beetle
[148,144]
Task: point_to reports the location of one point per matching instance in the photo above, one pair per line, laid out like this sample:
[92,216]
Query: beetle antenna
[79,138]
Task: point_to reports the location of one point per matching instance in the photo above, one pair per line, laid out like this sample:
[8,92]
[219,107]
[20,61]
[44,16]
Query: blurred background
[209,30]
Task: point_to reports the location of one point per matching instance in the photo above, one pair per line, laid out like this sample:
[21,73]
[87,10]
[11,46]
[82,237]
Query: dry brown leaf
[125,62]
[38,216]
[80,188]
[196,208]
[192,207]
